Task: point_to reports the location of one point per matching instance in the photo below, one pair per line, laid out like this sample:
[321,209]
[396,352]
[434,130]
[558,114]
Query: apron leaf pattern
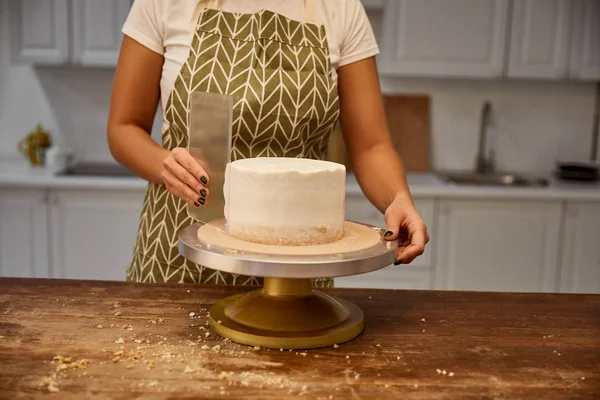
[285,105]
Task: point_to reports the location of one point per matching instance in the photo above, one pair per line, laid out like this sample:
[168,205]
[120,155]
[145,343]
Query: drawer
[359,209]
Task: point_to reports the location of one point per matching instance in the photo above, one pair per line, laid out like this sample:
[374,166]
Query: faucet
[483,163]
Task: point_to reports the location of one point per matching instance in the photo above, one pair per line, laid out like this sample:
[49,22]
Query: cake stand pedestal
[286,313]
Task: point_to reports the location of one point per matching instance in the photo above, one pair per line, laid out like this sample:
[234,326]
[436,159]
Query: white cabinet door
[580,270]
[93,232]
[391,277]
[23,233]
[39,31]
[457,38]
[498,245]
[97,31]
[539,39]
[585,51]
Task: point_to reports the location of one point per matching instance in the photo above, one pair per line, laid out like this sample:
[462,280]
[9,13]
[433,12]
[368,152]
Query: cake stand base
[286,314]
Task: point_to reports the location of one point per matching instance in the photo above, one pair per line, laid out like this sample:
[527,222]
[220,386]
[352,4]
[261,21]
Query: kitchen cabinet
[444,38]
[97,31]
[77,32]
[580,270]
[498,245]
[585,52]
[39,31]
[93,232]
[23,233]
[539,39]
[417,275]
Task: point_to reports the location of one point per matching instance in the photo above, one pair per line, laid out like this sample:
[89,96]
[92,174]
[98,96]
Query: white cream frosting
[285,201]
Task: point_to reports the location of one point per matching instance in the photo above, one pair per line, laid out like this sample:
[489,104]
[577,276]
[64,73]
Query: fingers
[185,178]
[416,247]
[183,174]
[392,225]
[182,190]
[185,159]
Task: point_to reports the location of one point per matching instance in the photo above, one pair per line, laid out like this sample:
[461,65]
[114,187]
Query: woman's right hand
[185,178]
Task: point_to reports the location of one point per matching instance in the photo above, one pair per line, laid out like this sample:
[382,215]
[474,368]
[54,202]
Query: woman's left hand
[403,223]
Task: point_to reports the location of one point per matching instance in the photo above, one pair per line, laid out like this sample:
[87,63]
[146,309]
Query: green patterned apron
[285,105]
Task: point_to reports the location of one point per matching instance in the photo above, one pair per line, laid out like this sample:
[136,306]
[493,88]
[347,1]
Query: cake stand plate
[286,313]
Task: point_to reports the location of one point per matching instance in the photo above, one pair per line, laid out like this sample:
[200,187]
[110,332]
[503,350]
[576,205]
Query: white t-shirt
[165,26]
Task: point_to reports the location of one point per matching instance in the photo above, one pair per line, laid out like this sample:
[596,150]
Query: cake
[285,201]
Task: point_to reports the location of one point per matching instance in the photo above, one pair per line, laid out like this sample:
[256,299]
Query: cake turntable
[286,313]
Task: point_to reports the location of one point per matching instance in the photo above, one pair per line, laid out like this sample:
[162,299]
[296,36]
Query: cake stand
[286,313]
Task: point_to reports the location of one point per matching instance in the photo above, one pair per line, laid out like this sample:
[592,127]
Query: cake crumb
[303,354]
[256,348]
[370,298]
[120,340]
[204,347]
[216,348]
[347,356]
[422,319]
[378,345]
[50,385]
[117,314]
[207,334]
[188,370]
[439,371]
[335,346]
[99,326]
[219,322]
[444,372]
[192,314]
[451,374]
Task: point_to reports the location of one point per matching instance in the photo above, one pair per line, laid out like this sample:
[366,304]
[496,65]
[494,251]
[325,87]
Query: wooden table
[126,340]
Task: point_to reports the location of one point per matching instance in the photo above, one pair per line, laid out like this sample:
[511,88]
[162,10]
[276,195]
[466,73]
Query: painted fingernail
[196,204]
[398,262]
[201,200]
[388,233]
[203,192]
[203,179]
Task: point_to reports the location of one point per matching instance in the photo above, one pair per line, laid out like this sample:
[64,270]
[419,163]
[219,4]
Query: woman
[295,67]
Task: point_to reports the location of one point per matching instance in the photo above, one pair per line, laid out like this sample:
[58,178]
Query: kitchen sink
[492,179]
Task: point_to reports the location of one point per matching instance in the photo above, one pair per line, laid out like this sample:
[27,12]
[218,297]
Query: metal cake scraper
[210,144]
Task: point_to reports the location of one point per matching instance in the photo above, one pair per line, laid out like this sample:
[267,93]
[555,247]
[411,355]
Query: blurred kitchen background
[491,104]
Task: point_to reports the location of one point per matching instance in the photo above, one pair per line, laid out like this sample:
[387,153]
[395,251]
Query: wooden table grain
[90,339]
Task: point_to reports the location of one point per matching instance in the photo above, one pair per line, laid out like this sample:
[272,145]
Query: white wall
[535,122]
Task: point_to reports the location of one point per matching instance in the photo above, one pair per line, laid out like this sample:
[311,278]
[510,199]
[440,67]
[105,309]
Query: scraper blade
[210,144]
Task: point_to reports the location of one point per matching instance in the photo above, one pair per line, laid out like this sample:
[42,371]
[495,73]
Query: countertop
[19,174]
[125,340]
